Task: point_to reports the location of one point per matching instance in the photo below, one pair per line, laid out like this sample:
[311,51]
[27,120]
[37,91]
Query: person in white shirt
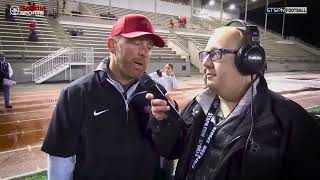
[168,80]
[165,77]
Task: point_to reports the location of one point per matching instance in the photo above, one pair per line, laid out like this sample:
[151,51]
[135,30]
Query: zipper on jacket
[142,92]
[119,88]
[127,110]
[124,96]
[127,106]
[229,144]
[224,151]
[127,101]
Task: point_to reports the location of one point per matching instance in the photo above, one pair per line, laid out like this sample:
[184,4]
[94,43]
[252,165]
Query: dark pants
[10,18]
[33,36]
[6,95]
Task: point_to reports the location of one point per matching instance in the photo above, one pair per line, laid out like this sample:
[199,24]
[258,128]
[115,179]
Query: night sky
[304,27]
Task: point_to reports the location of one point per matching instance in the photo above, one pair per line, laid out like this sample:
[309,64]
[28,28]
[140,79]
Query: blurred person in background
[33,36]
[6,73]
[8,15]
[165,77]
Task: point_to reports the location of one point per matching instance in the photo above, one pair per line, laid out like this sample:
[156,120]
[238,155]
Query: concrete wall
[181,68]
[178,50]
[292,66]
[173,9]
[214,11]
[79,71]
[72,6]
[194,56]
[163,7]
[99,2]
[143,5]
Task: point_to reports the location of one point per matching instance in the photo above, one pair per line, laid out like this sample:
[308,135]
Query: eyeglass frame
[223,51]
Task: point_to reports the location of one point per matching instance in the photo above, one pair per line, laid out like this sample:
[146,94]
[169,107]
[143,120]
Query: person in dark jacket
[6,72]
[99,128]
[64,5]
[8,15]
[33,35]
[237,128]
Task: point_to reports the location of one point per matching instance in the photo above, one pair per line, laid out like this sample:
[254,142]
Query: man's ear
[111,44]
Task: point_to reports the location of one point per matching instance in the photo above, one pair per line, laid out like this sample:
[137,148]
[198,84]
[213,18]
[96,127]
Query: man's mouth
[210,74]
[138,63]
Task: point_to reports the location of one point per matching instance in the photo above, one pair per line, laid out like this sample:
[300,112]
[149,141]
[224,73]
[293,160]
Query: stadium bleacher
[158,19]
[97,38]
[14,36]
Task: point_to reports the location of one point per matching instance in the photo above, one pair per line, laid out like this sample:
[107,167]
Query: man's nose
[144,50]
[208,63]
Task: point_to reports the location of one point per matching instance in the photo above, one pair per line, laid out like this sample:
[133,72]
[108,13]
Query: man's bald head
[227,37]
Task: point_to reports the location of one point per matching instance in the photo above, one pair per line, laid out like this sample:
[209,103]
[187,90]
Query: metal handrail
[48,64]
[59,61]
[47,58]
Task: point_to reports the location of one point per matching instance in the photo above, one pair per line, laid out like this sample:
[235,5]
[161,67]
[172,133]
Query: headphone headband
[252,30]
[237,23]
[250,58]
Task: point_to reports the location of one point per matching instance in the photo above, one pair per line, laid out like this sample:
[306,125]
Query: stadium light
[232,6]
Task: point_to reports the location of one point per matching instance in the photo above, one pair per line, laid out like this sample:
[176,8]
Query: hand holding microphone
[159,107]
[162,105]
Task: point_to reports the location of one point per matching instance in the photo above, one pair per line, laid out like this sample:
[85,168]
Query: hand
[159,107]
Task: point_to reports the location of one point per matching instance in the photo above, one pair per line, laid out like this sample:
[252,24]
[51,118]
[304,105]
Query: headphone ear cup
[239,60]
[250,59]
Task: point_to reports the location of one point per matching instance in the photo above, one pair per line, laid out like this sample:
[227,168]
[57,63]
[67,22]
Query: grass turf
[314,109]
[38,176]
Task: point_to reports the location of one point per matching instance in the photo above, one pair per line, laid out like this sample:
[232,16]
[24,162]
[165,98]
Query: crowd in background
[179,22]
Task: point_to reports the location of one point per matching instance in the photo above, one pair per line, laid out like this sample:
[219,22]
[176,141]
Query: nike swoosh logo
[98,113]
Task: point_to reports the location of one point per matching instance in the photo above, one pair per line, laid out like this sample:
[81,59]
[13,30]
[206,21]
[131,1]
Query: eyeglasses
[215,54]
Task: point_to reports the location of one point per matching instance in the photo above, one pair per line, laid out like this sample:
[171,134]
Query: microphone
[153,88]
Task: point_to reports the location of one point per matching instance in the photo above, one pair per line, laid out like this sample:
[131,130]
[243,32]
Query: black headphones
[251,58]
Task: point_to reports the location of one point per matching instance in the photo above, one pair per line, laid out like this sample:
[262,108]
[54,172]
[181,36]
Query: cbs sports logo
[28,10]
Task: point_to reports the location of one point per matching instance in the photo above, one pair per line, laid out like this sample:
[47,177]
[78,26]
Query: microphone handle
[157,93]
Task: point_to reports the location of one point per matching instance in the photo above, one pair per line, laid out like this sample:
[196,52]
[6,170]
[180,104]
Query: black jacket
[105,129]
[284,143]
[4,70]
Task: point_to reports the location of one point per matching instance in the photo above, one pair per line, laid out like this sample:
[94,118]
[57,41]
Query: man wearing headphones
[237,128]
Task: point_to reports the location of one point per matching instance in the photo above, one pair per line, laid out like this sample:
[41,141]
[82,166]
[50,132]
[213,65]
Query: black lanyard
[208,130]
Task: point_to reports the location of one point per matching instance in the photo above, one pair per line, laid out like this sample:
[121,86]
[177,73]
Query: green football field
[314,109]
[39,176]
